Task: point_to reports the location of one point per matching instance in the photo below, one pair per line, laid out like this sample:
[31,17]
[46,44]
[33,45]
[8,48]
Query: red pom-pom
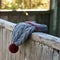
[13,48]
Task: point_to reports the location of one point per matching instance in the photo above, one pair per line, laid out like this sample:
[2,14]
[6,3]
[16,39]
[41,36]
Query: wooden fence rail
[39,46]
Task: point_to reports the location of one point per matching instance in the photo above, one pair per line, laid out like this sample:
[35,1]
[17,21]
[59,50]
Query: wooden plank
[9,37]
[58,20]
[11,56]
[1,41]
[34,10]
[8,54]
[22,52]
[32,53]
[46,53]
[53,17]
[7,25]
[55,55]
[38,51]
[18,54]
[28,47]
[4,44]
[47,39]
[59,55]
[32,50]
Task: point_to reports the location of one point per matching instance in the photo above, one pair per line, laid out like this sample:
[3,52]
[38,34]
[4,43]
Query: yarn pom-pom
[13,48]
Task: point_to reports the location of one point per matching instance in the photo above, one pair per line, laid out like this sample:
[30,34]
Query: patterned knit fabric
[22,30]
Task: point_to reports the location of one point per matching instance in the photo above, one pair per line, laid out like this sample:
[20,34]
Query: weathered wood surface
[6,24]
[39,46]
[47,39]
[1,48]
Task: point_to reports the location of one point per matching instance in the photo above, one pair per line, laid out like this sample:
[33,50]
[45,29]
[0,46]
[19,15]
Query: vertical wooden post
[58,19]
[53,20]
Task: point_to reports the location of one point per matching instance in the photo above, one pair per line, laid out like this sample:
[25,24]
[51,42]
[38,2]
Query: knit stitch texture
[22,31]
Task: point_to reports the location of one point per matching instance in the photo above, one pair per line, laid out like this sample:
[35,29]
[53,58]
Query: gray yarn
[22,30]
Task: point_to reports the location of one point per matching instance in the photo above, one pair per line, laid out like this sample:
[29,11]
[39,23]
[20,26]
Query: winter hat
[22,31]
